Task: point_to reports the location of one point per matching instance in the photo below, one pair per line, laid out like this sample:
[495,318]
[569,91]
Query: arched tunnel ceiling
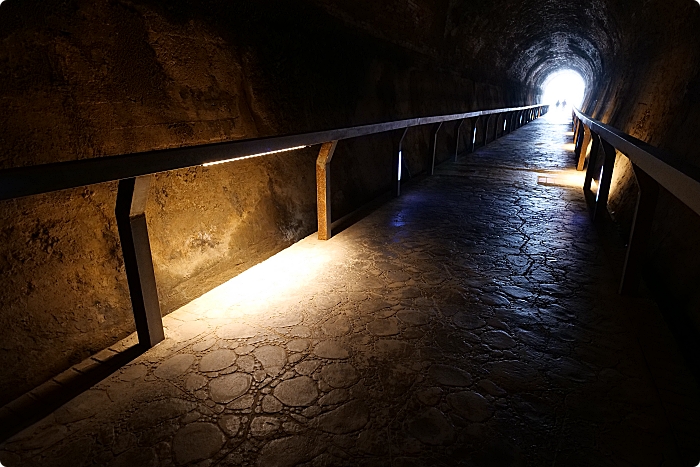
[524,39]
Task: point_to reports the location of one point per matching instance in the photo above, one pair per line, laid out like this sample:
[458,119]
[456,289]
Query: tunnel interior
[82,80]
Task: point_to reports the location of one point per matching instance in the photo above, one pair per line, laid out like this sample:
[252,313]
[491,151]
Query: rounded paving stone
[307,367]
[468,320]
[413,317]
[297,392]
[270,404]
[228,387]
[262,427]
[195,382]
[298,345]
[432,428]
[337,326]
[470,405]
[236,331]
[289,451]
[498,340]
[384,327]
[345,419]
[272,358]
[175,366]
[450,376]
[330,349]
[495,299]
[230,424]
[197,441]
[141,457]
[339,375]
[217,360]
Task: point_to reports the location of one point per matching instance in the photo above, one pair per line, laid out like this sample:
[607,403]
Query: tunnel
[349,233]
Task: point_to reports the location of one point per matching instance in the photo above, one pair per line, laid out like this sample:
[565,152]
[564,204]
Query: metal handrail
[678,180]
[33,180]
[134,173]
[652,167]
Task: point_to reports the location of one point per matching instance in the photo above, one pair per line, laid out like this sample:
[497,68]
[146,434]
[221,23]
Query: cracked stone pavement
[473,321]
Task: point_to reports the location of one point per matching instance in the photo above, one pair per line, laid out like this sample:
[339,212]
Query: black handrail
[652,167]
[37,179]
[678,180]
[133,171]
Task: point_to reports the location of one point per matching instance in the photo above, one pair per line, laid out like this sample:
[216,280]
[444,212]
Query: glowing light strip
[253,155]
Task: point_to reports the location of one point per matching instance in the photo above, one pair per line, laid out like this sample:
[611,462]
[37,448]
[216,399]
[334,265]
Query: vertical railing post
[397,160]
[434,147]
[592,161]
[601,201]
[583,148]
[486,130]
[641,231]
[472,139]
[457,133]
[323,189]
[130,212]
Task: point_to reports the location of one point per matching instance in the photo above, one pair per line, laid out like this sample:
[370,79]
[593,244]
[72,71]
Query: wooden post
[323,189]
[601,202]
[434,147]
[641,231]
[459,127]
[583,148]
[595,145]
[397,161]
[472,139]
[130,212]
[486,130]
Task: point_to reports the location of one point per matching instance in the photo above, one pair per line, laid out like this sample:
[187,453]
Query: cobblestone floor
[473,321]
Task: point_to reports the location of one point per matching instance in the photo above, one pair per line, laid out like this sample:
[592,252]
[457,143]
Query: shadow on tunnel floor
[47,398]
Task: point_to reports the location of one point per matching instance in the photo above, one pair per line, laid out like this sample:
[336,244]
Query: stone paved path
[473,322]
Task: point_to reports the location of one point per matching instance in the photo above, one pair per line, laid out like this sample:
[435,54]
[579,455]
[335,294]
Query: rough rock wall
[82,79]
[653,93]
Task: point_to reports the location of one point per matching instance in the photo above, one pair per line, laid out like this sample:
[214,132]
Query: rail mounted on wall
[652,168]
[134,171]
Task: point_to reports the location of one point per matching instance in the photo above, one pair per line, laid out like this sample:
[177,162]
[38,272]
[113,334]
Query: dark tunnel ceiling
[527,39]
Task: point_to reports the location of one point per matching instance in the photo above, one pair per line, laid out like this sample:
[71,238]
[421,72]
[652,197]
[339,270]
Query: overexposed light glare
[564,86]
[400,156]
[252,155]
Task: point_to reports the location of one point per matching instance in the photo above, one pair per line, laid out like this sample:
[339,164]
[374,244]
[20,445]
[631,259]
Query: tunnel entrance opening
[563,89]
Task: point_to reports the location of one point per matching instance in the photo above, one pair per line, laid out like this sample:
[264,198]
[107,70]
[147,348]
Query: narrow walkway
[473,321]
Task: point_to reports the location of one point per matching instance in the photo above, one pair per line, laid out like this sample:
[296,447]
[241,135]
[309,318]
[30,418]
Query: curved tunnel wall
[85,79]
[652,91]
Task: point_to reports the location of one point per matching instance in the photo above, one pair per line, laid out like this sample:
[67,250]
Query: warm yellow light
[568,147]
[565,178]
[268,294]
[252,155]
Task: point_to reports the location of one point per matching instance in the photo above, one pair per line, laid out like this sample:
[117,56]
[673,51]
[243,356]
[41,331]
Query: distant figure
[558,103]
[563,104]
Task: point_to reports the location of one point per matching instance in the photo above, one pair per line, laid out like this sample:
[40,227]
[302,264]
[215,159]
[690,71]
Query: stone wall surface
[653,93]
[83,79]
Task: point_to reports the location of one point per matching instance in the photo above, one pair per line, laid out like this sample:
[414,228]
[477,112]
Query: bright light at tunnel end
[563,86]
